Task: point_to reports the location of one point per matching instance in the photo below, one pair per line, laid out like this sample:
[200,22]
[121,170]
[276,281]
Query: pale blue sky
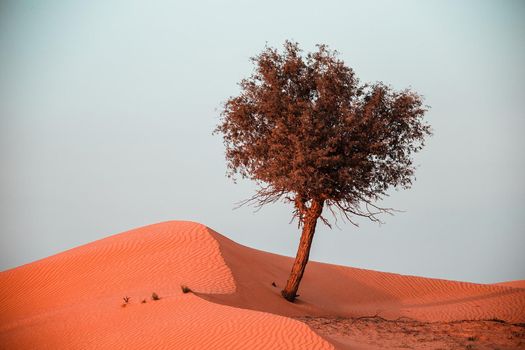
[107,109]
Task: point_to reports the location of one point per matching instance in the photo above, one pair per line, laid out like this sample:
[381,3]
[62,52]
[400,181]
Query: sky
[107,110]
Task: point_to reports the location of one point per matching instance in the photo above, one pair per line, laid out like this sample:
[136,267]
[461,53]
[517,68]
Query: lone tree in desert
[306,130]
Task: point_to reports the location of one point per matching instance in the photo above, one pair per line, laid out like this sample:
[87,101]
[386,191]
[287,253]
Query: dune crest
[513,284]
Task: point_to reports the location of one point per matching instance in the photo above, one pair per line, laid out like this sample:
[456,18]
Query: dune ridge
[512,284]
[73,300]
[133,262]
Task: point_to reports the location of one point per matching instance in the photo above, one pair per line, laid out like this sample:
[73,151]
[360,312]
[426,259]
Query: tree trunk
[303,251]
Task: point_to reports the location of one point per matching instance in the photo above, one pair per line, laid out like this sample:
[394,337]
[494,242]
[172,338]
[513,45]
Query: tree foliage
[305,129]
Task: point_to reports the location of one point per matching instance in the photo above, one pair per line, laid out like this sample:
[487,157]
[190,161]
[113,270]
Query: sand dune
[73,300]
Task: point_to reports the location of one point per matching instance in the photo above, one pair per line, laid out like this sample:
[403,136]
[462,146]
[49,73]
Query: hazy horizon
[107,110]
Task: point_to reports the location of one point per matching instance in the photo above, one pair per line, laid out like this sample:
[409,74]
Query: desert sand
[74,300]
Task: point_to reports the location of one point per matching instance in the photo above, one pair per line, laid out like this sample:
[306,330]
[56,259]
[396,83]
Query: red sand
[73,300]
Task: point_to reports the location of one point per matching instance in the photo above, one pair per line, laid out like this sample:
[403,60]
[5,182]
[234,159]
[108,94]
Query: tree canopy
[305,129]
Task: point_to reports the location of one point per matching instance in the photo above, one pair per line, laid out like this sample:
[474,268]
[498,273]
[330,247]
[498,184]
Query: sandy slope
[73,300]
[350,292]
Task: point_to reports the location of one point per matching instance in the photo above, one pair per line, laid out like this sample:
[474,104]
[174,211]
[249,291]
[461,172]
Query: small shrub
[143,301]
[273,284]
[126,301]
[154,296]
[472,338]
[185,289]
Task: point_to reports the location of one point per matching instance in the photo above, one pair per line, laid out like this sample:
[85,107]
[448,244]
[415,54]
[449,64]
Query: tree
[306,130]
